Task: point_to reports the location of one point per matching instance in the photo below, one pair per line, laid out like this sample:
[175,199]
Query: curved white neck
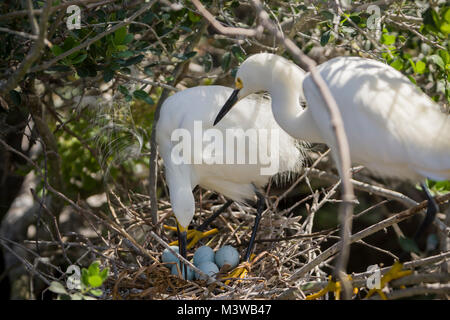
[286,93]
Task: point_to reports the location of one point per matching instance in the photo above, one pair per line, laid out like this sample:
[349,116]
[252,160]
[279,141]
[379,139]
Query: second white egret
[393,128]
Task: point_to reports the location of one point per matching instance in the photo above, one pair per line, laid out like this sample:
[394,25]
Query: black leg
[259,210]
[205,224]
[432,209]
[182,241]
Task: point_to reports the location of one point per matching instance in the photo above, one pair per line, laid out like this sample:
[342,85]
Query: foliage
[92,279]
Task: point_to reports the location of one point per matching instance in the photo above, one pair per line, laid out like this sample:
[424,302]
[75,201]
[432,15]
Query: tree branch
[87,43]
[35,53]
[364,233]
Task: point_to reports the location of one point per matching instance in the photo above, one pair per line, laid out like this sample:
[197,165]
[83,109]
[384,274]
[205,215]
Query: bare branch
[364,233]
[87,43]
[35,53]
[229,31]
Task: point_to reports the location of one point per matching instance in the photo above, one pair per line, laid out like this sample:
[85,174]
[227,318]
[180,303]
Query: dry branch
[364,233]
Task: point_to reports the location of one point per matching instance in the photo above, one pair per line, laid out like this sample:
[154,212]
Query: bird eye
[239,84]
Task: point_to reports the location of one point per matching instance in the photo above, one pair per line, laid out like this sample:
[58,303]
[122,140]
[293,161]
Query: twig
[364,233]
[35,53]
[360,279]
[421,278]
[25,35]
[152,83]
[363,186]
[87,43]
[419,290]
[62,6]
[229,31]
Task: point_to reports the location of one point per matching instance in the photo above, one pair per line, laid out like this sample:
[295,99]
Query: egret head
[260,72]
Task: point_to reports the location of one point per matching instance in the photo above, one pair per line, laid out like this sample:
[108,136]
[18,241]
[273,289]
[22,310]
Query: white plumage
[392,127]
[235,181]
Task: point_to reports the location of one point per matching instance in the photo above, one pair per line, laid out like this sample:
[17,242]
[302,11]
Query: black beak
[182,241]
[227,106]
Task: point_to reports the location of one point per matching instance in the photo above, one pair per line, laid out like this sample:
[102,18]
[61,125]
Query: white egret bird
[190,114]
[393,129]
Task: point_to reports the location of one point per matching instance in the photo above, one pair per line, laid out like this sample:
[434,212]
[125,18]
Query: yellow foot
[241,271]
[332,286]
[395,272]
[193,234]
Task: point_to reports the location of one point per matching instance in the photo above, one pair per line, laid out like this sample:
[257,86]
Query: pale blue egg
[203,254]
[227,255]
[190,272]
[207,267]
[168,256]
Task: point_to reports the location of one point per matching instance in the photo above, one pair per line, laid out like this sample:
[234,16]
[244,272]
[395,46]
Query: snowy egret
[392,128]
[183,115]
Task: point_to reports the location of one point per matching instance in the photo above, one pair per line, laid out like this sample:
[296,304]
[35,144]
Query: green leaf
[238,53]
[80,58]
[122,54]
[397,64]
[194,18]
[327,15]
[226,60]
[95,281]
[142,95]
[429,20]
[445,28]
[445,56]
[411,79]
[119,35]
[148,71]
[187,55]
[121,47]
[207,62]
[123,90]
[56,50]
[94,268]
[132,61]
[96,292]
[325,38]
[128,38]
[437,60]
[388,39]
[436,19]
[108,75]
[69,43]
[84,277]
[408,245]
[57,287]
[446,14]
[104,274]
[413,65]
[420,67]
